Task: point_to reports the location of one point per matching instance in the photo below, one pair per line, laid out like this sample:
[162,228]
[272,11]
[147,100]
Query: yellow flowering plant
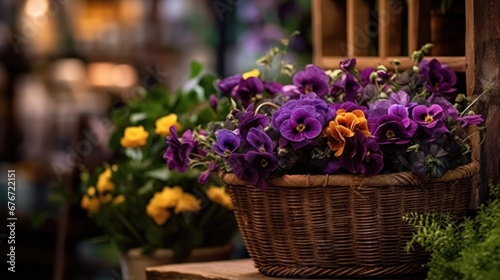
[135,199]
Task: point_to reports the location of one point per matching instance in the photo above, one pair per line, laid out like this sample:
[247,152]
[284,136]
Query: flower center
[428,119]
[390,134]
[367,157]
[261,149]
[227,152]
[308,88]
[301,127]
[263,163]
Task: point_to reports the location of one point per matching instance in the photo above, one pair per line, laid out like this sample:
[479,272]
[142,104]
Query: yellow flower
[158,214]
[168,197]
[104,183]
[91,191]
[344,126]
[220,196]
[135,136]
[252,73]
[187,203]
[163,125]
[119,199]
[91,204]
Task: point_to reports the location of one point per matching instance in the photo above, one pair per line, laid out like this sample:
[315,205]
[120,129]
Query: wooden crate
[352,28]
[395,28]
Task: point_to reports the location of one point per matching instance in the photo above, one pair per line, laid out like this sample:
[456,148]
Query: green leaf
[161,173]
[146,188]
[133,153]
[137,117]
[196,68]
[207,82]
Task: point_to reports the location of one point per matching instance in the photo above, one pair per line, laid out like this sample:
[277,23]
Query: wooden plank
[358,35]
[317,30]
[470,86]
[389,27]
[456,63]
[243,269]
[330,31]
[223,270]
[419,12]
[413,19]
[486,40]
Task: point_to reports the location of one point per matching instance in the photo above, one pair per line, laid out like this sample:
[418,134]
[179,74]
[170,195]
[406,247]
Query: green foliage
[466,250]
[139,172]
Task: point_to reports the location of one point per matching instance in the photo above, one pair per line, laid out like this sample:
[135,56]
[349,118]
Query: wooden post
[358,20]
[485,44]
[389,28]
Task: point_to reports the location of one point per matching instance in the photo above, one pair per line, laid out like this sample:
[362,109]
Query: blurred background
[65,64]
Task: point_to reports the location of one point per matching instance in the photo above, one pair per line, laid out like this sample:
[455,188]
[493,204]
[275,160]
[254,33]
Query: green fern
[466,250]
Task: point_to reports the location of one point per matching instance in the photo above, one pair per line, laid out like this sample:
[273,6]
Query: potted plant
[153,215]
[324,168]
[469,249]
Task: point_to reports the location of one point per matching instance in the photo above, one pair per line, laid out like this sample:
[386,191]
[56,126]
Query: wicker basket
[342,225]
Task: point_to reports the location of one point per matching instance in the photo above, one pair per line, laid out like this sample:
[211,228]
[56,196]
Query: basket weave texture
[342,225]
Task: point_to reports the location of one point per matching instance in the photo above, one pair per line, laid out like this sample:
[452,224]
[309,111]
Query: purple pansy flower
[400,97]
[243,89]
[395,129]
[348,85]
[247,89]
[362,155]
[273,87]
[311,79]
[179,150]
[256,165]
[331,165]
[259,140]
[369,92]
[470,120]
[248,120]
[253,167]
[448,108]
[440,79]
[317,109]
[204,176]
[365,76]
[348,64]
[301,126]
[291,91]
[227,85]
[227,142]
[213,101]
[430,118]
[322,112]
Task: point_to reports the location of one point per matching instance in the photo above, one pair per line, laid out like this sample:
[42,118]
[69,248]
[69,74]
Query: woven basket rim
[399,179]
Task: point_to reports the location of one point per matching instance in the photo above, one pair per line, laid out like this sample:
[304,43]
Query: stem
[128,226]
[295,33]
[474,102]
[265,104]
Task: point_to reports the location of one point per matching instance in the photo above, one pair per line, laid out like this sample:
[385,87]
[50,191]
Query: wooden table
[243,269]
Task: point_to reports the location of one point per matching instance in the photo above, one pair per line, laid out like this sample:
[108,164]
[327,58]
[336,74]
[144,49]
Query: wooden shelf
[457,63]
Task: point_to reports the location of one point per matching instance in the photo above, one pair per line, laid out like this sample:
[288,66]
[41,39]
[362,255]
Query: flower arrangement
[137,201]
[341,121]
